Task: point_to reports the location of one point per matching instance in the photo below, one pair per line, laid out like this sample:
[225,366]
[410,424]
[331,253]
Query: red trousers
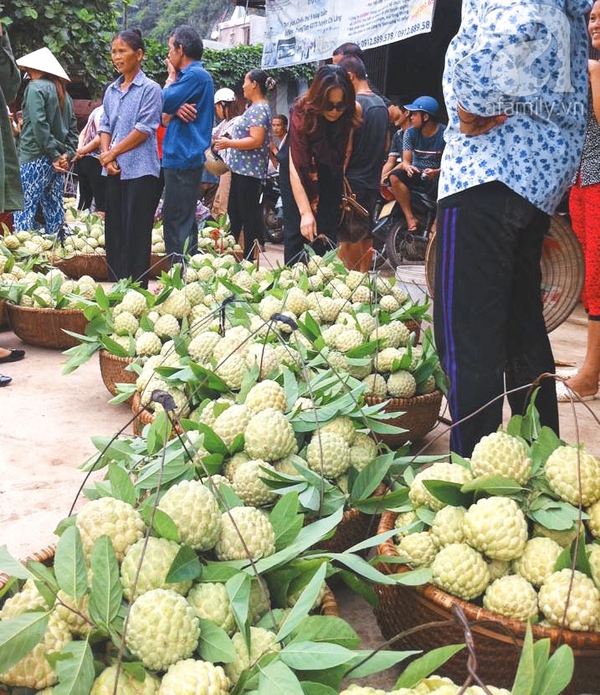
[584,208]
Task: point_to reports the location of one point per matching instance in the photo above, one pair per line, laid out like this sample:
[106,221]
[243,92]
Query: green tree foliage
[78,32]
[158,18]
[227,66]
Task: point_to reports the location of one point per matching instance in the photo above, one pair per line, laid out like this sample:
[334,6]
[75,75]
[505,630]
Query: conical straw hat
[43,60]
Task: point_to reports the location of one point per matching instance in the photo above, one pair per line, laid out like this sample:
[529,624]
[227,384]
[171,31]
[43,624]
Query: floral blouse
[251,162]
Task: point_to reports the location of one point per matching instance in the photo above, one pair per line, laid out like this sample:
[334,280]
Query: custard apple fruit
[211,602]
[440,470]
[126,683]
[583,609]
[513,597]
[419,549]
[34,670]
[245,531]
[266,394]
[461,571]
[156,556]
[562,475]
[162,629]
[497,527]
[231,423]
[538,560]
[248,483]
[401,384]
[110,517]
[500,454]
[269,436]
[261,642]
[447,526]
[328,454]
[195,512]
[193,676]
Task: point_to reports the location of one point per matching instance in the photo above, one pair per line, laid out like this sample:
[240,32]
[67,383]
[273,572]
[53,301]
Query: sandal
[5,380]
[564,394]
[14,355]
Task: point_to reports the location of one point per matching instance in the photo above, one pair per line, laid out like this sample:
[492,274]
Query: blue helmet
[427,104]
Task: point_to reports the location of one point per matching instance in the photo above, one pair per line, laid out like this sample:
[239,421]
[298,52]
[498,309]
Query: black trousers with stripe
[488,321]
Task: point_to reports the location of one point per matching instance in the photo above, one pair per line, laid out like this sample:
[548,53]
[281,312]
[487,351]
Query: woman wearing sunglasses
[311,175]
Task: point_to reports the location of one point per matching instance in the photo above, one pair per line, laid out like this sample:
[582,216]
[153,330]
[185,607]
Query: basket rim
[106,355]
[429,592]
[415,400]
[37,310]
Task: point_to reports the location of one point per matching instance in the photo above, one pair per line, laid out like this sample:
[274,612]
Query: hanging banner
[307,31]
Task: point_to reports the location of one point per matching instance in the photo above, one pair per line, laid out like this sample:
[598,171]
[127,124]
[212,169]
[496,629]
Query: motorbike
[392,239]
[272,208]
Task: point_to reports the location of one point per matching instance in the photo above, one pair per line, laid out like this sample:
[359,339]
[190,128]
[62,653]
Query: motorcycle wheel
[403,246]
[273,226]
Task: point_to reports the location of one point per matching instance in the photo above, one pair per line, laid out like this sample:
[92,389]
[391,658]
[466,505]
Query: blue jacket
[184,144]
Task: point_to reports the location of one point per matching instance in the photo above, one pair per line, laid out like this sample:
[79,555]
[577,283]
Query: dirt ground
[48,420]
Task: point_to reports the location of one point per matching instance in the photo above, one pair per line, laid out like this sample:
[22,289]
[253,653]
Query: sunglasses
[338,106]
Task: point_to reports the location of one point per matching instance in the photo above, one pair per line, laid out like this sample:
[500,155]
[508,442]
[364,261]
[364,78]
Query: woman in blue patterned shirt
[248,160]
[129,155]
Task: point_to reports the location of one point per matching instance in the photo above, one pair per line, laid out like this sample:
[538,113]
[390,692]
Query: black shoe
[5,380]
[14,355]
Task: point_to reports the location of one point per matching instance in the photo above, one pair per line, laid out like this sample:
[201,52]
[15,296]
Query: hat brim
[45,61]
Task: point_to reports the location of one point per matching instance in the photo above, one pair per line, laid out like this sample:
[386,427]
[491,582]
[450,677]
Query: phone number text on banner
[311,30]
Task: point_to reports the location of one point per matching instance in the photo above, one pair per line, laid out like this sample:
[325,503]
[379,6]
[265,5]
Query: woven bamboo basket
[414,327]
[112,369]
[497,640]
[91,264]
[143,417]
[417,416]
[45,327]
[158,263]
[562,271]
[355,527]
[3,316]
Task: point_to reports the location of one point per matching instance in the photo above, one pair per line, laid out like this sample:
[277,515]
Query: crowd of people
[498,172]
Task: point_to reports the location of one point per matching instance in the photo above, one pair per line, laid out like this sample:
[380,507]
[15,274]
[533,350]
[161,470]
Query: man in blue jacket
[188,105]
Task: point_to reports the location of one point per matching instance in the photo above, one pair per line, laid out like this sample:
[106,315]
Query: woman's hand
[222,143]
[61,164]
[308,227]
[105,158]
[472,124]
[113,169]
[410,169]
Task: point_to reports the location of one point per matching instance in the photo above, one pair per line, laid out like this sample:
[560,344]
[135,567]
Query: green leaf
[311,656]
[554,515]
[309,688]
[121,484]
[492,484]
[322,628]
[162,524]
[558,673]
[107,591]
[304,603]
[426,665]
[69,563]
[277,679]
[541,654]
[238,591]
[366,663]
[11,566]
[369,479]
[185,566]
[285,520]
[448,493]
[215,644]
[74,666]
[525,676]
[19,635]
